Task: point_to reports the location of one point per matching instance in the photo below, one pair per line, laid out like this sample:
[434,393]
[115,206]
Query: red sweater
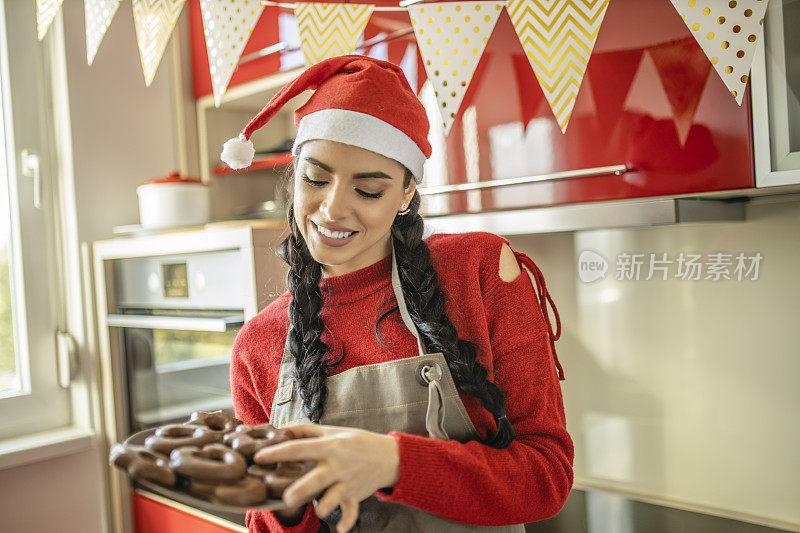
[473,483]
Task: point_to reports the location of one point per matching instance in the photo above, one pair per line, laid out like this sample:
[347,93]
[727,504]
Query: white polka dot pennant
[227,25]
[451,37]
[330,30]
[558,37]
[154,21]
[99,14]
[46,11]
[728,31]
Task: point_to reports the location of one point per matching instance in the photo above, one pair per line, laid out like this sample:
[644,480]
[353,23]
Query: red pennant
[683,69]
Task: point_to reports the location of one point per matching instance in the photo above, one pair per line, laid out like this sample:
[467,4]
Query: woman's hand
[351,465]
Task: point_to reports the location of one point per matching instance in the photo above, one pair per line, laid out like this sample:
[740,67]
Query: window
[31,398]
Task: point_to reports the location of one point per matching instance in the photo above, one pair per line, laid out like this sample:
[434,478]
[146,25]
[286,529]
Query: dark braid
[426,305]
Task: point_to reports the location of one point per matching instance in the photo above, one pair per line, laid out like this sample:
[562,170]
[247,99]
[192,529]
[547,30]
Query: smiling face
[345,200]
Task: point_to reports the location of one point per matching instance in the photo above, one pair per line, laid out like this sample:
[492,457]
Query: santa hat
[358,100]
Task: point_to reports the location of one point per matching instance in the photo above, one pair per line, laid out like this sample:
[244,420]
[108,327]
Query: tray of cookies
[207,462]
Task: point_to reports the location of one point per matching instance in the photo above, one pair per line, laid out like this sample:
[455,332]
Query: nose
[335,205]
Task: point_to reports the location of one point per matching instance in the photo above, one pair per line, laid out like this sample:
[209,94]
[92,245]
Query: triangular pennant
[227,25]
[612,74]
[683,73]
[99,14]
[154,21]
[451,37]
[330,30]
[557,37]
[728,33]
[46,11]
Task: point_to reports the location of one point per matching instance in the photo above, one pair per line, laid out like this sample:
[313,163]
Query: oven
[177,317]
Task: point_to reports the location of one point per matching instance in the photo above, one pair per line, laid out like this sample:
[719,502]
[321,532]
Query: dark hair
[426,305]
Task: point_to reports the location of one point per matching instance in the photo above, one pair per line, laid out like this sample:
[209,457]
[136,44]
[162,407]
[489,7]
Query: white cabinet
[775,79]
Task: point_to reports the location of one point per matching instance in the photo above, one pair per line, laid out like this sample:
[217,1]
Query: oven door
[176,362]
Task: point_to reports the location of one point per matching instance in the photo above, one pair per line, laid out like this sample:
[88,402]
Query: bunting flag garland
[99,14]
[227,25]
[330,30]
[557,37]
[728,33]
[154,21]
[46,11]
[451,38]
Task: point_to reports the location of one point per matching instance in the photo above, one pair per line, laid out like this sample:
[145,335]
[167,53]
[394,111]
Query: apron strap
[401,302]
[434,417]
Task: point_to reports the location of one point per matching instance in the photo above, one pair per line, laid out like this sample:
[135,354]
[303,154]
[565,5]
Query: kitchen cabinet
[775,78]
[652,119]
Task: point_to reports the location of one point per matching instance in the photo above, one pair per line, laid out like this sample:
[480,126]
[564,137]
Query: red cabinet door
[151,516]
[650,99]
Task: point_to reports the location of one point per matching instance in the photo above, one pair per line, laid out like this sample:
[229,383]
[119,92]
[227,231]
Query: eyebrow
[360,175]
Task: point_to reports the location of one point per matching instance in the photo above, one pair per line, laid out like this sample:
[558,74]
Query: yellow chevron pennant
[330,30]
[728,33]
[451,37]
[46,11]
[99,14]
[227,26]
[154,21]
[557,37]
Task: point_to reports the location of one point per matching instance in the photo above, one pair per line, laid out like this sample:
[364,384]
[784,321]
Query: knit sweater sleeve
[531,479]
[249,367]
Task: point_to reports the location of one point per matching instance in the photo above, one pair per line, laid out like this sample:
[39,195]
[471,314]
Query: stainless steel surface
[579,173]
[591,216]
[188,323]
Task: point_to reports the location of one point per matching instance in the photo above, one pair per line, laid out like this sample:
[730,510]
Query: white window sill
[44,446]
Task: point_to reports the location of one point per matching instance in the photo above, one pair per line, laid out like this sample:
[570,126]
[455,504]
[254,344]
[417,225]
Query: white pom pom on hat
[358,100]
[238,152]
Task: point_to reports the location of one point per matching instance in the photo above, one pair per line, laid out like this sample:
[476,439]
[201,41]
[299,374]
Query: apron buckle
[428,371]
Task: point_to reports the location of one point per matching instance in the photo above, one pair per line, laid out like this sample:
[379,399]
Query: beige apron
[416,395]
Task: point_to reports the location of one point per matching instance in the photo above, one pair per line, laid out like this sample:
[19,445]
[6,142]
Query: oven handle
[193,323]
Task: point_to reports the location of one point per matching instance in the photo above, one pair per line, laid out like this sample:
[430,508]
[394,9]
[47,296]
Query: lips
[336,236]
[333,228]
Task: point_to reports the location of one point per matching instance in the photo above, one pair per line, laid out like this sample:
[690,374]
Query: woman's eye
[313,182]
[365,194]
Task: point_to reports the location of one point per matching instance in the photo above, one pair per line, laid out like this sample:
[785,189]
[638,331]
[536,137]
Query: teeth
[334,234]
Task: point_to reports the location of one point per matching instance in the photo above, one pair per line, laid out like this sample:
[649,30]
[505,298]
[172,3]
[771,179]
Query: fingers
[349,515]
[307,449]
[330,500]
[308,486]
[306,430]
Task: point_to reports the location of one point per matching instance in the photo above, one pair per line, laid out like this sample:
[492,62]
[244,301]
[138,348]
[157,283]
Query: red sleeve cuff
[415,452]
[267,522]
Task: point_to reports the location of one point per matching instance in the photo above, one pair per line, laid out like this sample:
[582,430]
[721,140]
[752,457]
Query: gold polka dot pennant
[330,30]
[728,31]
[451,37]
[154,21]
[558,37]
[99,14]
[227,25]
[46,11]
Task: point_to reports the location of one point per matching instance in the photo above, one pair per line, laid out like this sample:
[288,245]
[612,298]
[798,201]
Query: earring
[403,209]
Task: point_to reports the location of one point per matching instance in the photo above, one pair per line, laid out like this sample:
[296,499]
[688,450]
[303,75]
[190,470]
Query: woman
[421,373]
